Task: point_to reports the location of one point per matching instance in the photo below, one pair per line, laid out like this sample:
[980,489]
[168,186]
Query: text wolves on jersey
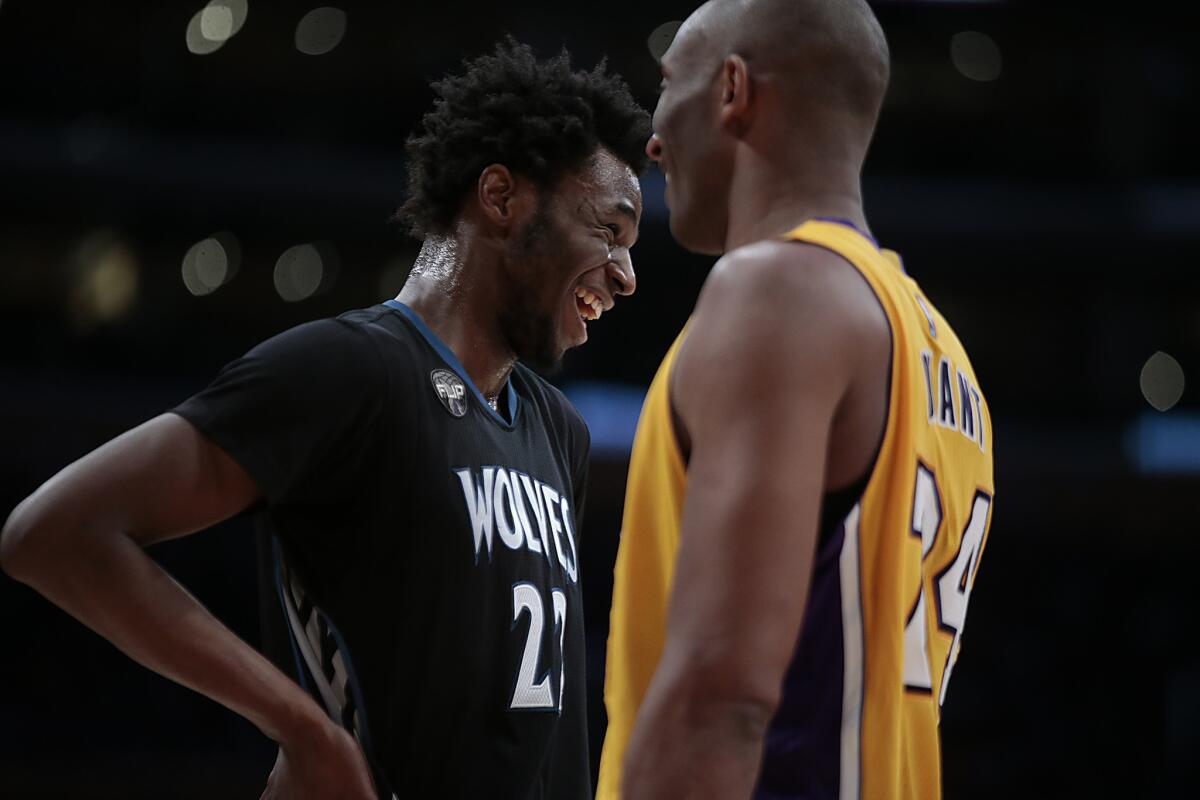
[509,502]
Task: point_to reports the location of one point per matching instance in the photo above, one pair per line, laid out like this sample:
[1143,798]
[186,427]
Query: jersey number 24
[951,585]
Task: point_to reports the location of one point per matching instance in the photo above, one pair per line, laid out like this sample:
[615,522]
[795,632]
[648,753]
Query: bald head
[766,115]
[824,54]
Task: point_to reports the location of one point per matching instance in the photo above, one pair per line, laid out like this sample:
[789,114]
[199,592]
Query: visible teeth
[591,300]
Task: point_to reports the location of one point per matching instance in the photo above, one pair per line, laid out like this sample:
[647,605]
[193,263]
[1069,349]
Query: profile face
[686,143]
[572,261]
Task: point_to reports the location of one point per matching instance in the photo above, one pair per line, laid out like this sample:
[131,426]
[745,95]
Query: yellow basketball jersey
[889,593]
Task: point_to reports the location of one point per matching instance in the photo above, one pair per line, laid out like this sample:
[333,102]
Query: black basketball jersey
[429,548]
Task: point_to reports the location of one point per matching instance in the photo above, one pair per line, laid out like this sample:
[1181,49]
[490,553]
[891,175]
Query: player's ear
[502,195]
[736,95]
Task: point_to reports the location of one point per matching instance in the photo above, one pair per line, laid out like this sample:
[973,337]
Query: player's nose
[620,272]
[654,147]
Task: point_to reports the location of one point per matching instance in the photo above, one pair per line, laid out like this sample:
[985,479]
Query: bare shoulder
[810,282]
[779,294]
[779,326]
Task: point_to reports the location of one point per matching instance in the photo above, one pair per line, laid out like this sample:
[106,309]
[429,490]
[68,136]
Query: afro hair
[539,118]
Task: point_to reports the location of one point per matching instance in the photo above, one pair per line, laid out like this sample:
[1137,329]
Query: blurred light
[331,263]
[211,263]
[106,284]
[215,24]
[976,55]
[233,252]
[661,37]
[320,30]
[1162,381]
[204,267]
[1165,445]
[222,19]
[197,42]
[299,272]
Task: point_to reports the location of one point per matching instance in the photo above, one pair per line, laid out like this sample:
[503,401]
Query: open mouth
[590,306]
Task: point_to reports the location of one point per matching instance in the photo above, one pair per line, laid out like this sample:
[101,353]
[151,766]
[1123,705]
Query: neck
[453,287]
[767,201]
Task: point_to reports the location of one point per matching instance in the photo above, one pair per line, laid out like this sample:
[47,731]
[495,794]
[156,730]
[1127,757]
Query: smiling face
[688,144]
[571,260]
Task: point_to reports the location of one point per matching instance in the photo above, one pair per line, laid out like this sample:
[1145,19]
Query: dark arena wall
[178,184]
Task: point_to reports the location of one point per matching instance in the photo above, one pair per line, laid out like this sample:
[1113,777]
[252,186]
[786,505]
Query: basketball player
[811,483]
[425,487]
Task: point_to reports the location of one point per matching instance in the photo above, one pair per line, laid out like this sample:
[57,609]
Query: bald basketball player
[811,483]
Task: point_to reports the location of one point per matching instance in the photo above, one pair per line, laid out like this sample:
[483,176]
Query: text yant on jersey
[942,387]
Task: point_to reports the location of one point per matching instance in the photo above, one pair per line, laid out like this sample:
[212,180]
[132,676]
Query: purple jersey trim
[802,753]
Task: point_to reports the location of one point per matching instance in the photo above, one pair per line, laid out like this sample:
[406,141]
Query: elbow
[738,698]
[742,717]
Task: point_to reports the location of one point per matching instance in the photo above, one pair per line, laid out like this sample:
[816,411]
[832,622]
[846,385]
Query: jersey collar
[452,361]
[890,255]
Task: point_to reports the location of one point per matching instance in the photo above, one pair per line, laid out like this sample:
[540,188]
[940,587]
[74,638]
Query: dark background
[1052,213]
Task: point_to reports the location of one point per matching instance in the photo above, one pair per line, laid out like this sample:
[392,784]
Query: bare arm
[79,541]
[768,359]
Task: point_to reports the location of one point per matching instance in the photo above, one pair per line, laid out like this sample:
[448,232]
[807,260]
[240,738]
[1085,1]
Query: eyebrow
[625,209]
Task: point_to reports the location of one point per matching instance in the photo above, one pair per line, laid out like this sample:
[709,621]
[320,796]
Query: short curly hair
[540,119]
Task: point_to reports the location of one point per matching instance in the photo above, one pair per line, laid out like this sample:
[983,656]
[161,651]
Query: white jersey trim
[850,787]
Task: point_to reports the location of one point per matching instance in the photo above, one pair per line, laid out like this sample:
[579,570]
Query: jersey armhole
[674,423]
[864,480]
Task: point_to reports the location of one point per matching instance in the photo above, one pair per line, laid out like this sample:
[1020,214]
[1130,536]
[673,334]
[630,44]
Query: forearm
[107,581]
[689,745]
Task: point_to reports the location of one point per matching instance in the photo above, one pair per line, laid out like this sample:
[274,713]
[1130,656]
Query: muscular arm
[769,357]
[79,541]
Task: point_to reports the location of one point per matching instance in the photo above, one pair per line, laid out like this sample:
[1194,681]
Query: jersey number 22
[532,693]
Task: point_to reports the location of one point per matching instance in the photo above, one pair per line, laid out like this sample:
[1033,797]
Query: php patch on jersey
[451,390]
